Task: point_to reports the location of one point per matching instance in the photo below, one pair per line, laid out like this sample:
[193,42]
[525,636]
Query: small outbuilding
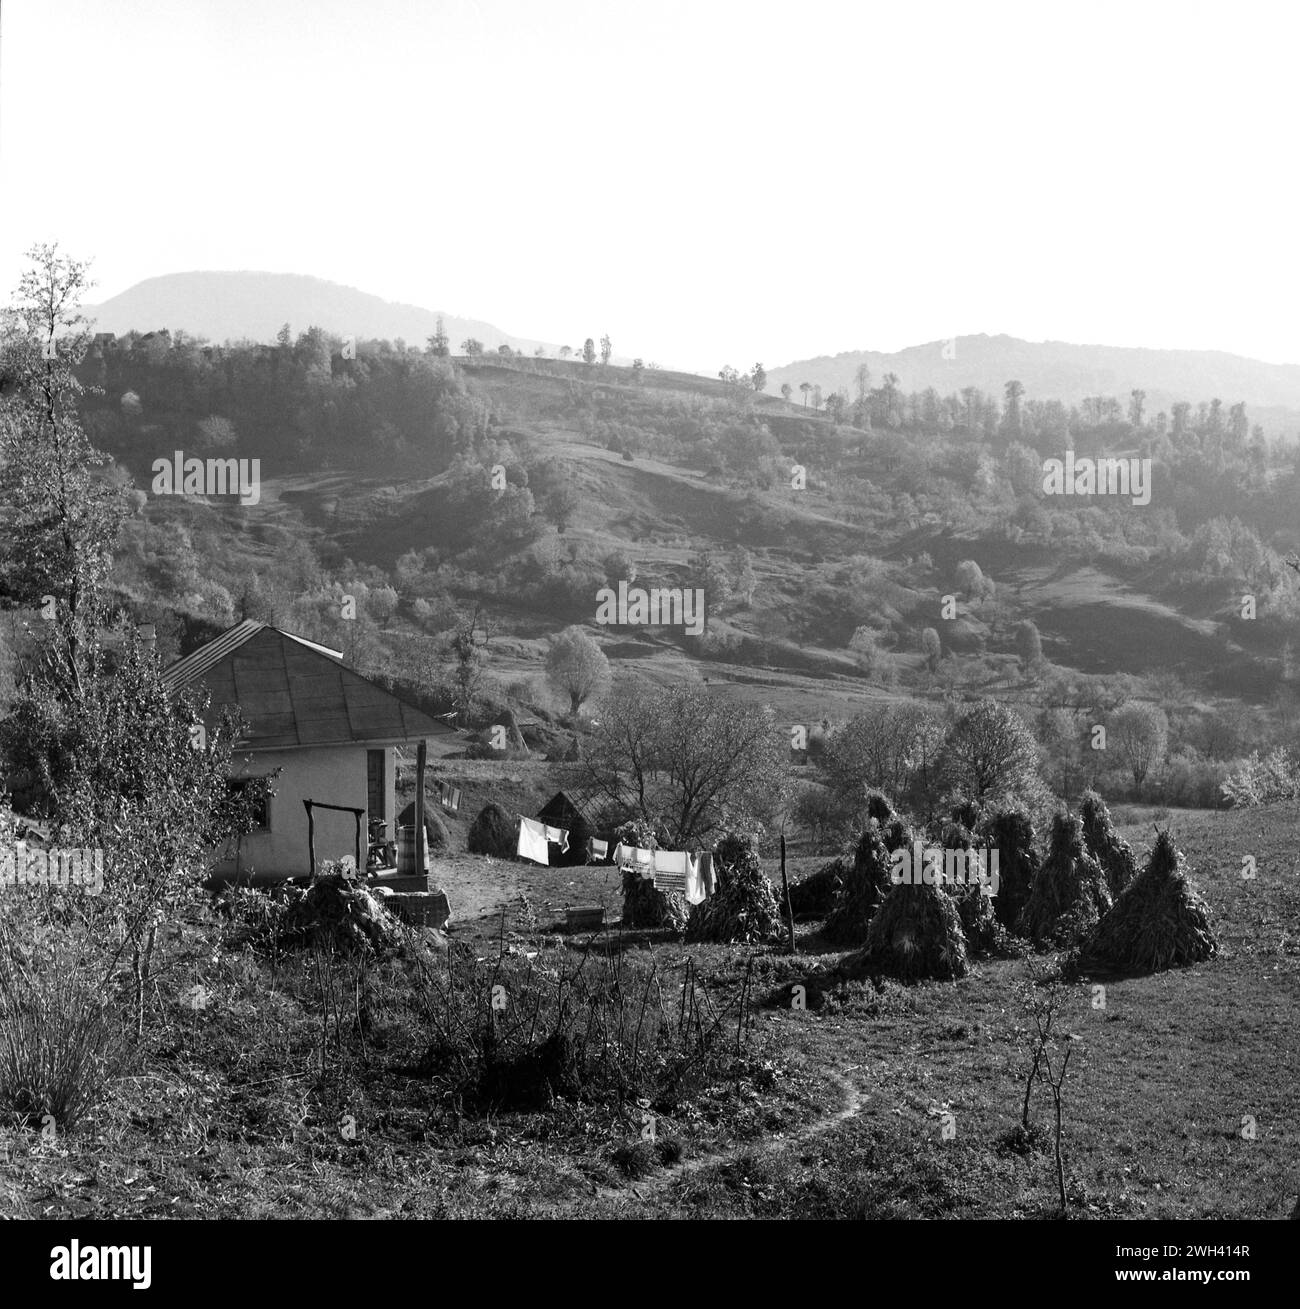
[575,814]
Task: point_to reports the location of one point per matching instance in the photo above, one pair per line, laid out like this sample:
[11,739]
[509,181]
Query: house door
[376,783]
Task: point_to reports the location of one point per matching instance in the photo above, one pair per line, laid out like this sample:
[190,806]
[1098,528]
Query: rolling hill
[253,306]
[1058,370]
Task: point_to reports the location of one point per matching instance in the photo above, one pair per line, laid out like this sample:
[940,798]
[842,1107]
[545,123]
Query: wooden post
[785,890]
[421,763]
[311,837]
[361,868]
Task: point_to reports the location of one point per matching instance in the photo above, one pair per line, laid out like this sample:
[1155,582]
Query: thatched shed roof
[566,809]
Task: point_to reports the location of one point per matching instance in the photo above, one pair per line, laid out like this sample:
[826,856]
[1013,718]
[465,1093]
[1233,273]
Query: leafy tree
[589,351]
[805,387]
[786,390]
[381,604]
[971,579]
[931,648]
[686,761]
[1135,402]
[989,754]
[1030,646]
[439,345]
[1140,733]
[1013,420]
[758,377]
[889,747]
[862,403]
[576,667]
[553,492]
[744,579]
[565,351]
[471,346]
[467,672]
[61,517]
[217,433]
[638,369]
[606,349]
[865,647]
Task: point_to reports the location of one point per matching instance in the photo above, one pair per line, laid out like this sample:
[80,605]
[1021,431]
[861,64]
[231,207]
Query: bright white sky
[709,182]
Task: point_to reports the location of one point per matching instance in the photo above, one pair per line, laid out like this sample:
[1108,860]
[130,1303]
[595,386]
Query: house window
[376,790]
[239,786]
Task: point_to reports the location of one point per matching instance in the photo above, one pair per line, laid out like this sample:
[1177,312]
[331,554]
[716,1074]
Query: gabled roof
[293,692]
[568,805]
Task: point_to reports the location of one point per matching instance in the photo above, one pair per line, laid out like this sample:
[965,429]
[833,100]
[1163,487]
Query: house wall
[326,774]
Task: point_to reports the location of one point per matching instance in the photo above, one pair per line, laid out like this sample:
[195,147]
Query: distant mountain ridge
[1059,370]
[254,306]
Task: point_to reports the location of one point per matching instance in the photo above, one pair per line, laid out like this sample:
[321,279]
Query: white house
[332,734]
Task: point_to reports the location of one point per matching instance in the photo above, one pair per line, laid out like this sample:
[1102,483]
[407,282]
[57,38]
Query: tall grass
[61,1040]
[610,1027]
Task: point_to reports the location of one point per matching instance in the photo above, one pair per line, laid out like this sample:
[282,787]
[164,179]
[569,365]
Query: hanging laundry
[560,837]
[598,850]
[532,841]
[694,882]
[670,861]
[707,876]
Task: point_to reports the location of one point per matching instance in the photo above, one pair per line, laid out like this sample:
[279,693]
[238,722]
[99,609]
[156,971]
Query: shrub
[1262,780]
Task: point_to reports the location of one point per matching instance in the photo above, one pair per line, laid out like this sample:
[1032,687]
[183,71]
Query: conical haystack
[1115,855]
[493,832]
[979,923]
[815,895]
[645,905]
[1159,922]
[1011,833]
[1069,894]
[865,885]
[916,933]
[743,908]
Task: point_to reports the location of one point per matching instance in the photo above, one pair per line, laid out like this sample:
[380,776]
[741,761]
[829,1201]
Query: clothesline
[694,872]
[535,836]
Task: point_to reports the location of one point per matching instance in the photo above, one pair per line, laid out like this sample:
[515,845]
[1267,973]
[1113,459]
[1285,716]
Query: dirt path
[650,1188]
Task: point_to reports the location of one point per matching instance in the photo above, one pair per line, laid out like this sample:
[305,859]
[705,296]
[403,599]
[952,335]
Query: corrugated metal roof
[293,692]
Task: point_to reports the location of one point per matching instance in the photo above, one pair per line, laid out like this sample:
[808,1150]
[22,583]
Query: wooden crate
[420,908]
[586,919]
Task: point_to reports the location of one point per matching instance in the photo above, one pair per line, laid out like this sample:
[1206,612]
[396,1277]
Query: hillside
[234,306]
[1061,371]
[376,473]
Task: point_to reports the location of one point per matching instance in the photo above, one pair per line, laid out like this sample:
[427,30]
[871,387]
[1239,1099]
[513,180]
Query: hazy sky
[707,182]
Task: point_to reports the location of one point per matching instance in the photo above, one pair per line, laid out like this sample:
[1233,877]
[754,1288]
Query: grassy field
[836,1110]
